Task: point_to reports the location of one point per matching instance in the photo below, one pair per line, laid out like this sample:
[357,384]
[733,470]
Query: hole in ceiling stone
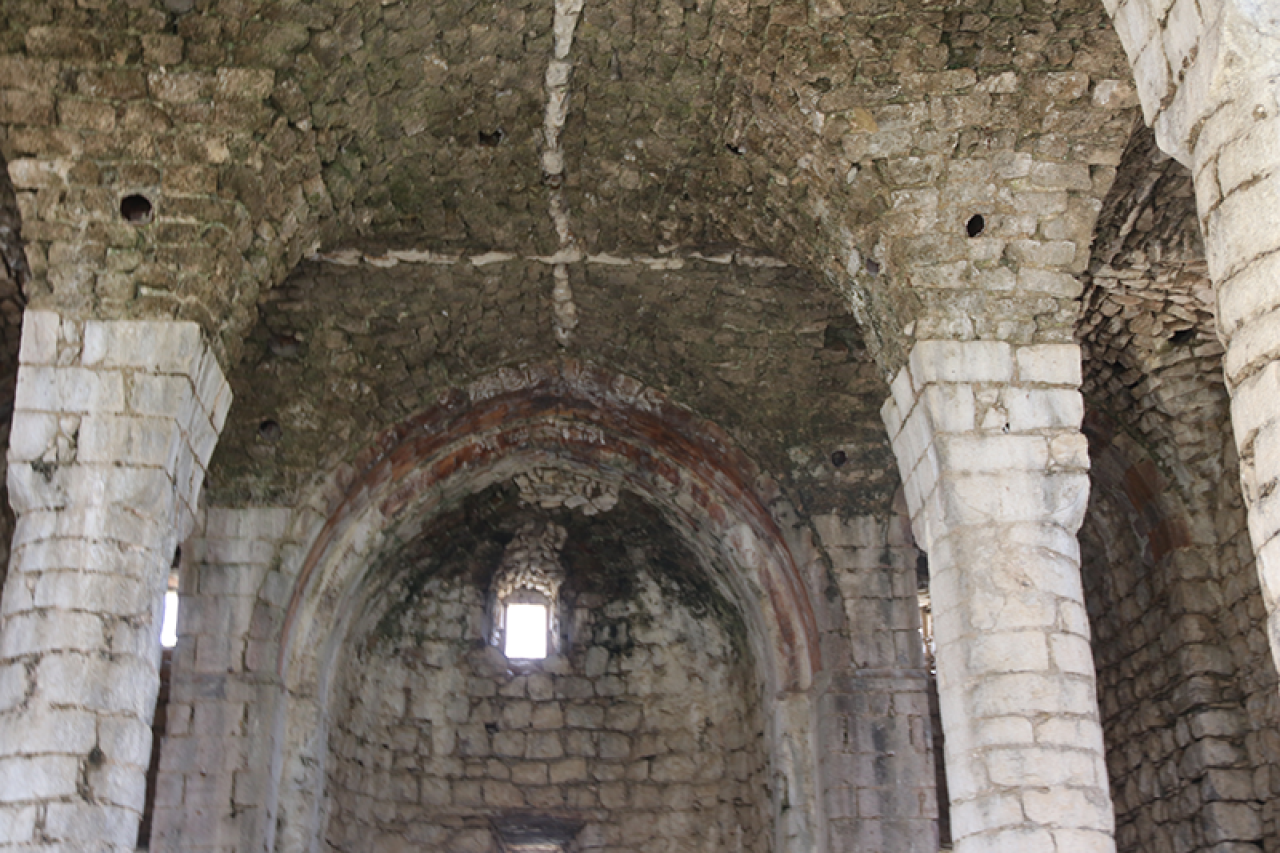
[735,149]
[839,458]
[493,138]
[285,345]
[976,225]
[270,431]
[872,266]
[136,209]
[1182,337]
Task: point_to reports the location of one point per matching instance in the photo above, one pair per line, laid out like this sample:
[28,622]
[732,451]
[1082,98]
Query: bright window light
[169,624]
[526,631]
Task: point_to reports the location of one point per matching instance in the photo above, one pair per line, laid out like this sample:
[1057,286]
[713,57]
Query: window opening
[526,631]
[169,624]
[160,716]
[525,593]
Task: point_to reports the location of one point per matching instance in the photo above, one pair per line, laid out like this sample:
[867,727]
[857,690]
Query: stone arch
[832,175]
[1156,587]
[13,276]
[584,420]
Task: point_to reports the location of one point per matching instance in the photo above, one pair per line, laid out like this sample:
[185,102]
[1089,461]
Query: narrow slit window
[526,632]
[169,622]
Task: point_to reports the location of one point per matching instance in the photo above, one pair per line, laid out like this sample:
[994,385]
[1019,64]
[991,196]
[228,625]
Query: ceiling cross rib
[559,71]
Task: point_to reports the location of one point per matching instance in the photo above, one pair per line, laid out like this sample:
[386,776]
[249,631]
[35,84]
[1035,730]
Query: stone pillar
[1237,175]
[113,425]
[987,437]
[213,783]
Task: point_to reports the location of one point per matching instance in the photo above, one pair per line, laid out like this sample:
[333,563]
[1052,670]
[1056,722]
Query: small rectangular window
[526,631]
[169,623]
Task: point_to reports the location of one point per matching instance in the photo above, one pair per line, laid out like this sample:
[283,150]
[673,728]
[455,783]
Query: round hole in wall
[270,431]
[136,209]
[839,458]
[976,225]
[1182,337]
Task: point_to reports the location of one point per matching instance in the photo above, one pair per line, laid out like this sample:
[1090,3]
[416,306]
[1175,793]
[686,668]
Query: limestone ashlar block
[961,361]
[1253,291]
[1251,404]
[26,779]
[1031,409]
[130,440]
[1254,344]
[158,347]
[1015,496]
[39,344]
[17,823]
[1237,234]
[1049,364]
[32,436]
[39,631]
[68,390]
[88,823]
[990,454]
[60,730]
[951,407]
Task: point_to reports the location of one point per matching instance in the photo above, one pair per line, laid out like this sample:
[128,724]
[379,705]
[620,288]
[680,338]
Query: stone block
[1009,652]
[1042,408]
[125,740]
[568,770]
[991,454]
[17,824]
[33,436]
[83,822]
[1014,496]
[245,83]
[47,777]
[126,440]
[160,347]
[39,337]
[119,785]
[961,361]
[1224,821]
[1029,693]
[1050,364]
[124,685]
[36,632]
[1236,234]
[68,390]
[1250,292]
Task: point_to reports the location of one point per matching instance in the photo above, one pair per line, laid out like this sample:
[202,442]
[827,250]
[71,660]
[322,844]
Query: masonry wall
[1186,680]
[1186,684]
[647,729]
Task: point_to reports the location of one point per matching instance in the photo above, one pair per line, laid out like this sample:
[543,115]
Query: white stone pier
[113,425]
[987,437]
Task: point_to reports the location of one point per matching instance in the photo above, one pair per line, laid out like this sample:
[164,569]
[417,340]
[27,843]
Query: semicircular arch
[586,420]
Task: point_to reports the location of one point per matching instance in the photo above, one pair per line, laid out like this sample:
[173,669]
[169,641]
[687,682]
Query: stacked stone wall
[1172,584]
[1189,760]
[211,783]
[646,730]
[343,351]
[828,135]
[879,700]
